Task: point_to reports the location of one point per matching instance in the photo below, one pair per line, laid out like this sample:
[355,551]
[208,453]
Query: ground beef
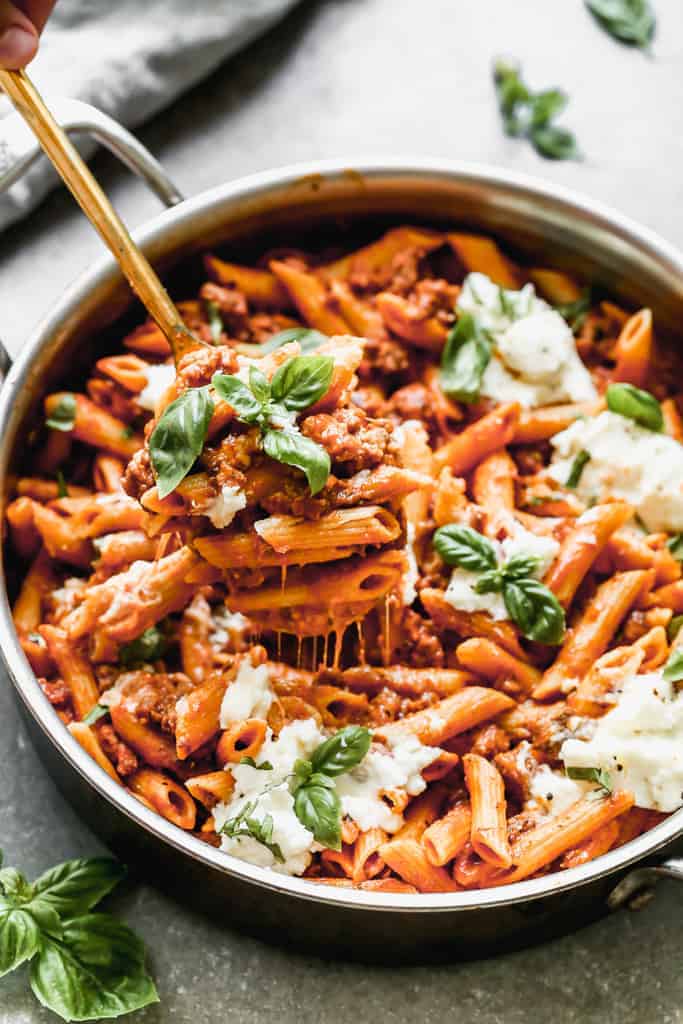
[57,692]
[352,438]
[138,476]
[152,696]
[233,454]
[113,397]
[421,648]
[262,326]
[370,399]
[232,306]
[119,753]
[435,297]
[383,356]
[198,367]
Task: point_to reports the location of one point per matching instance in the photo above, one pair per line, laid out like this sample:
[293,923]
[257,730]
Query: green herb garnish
[630,21]
[530,115]
[62,489]
[308,339]
[272,405]
[673,670]
[597,775]
[264,766]
[639,406]
[577,468]
[465,357]
[575,312]
[94,715]
[213,315]
[83,966]
[149,646]
[245,824]
[675,546]
[528,602]
[178,438]
[63,416]
[673,628]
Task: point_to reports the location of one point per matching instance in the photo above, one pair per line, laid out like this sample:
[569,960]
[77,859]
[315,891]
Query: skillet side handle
[19,149]
[637,887]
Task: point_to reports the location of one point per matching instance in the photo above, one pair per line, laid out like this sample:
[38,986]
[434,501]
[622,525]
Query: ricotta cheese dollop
[628,462]
[639,742]
[249,695]
[159,379]
[225,506]
[460,592]
[534,361]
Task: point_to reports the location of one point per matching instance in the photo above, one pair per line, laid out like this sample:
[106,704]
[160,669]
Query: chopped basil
[149,646]
[674,627]
[530,115]
[675,546]
[245,824]
[597,775]
[264,766]
[213,314]
[63,416]
[308,339]
[673,670]
[465,357]
[637,405]
[577,468]
[83,966]
[94,715]
[575,312]
[62,489]
[630,21]
[179,436]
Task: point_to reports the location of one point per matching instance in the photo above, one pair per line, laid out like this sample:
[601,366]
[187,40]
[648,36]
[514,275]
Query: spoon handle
[97,208]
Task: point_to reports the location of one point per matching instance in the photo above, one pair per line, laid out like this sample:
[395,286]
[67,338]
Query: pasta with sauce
[381,585]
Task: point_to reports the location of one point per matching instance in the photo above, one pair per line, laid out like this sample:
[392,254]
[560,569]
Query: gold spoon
[97,208]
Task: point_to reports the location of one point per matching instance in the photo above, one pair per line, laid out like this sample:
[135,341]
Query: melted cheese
[225,506]
[249,695]
[159,379]
[639,742]
[628,462]
[534,361]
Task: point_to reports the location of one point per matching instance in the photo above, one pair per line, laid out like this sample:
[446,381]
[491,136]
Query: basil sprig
[272,405]
[637,405]
[178,438]
[316,803]
[597,775]
[245,824]
[577,467]
[149,646]
[530,115]
[63,416]
[528,602]
[673,670]
[629,21]
[465,357]
[83,965]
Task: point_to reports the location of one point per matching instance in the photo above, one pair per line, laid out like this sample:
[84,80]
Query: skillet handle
[637,887]
[19,148]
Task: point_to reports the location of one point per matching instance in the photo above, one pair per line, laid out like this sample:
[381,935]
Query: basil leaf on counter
[598,775]
[294,449]
[19,937]
[465,357]
[63,416]
[341,752]
[178,438]
[301,381]
[554,143]
[673,670]
[577,468]
[75,886]
[637,405]
[629,21]
[149,646]
[318,808]
[535,609]
[240,397]
[463,546]
[308,339]
[213,314]
[94,715]
[530,115]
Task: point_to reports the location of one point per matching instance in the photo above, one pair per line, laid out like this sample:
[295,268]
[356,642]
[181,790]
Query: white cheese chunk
[639,742]
[412,573]
[226,626]
[534,361]
[554,792]
[225,506]
[461,592]
[627,462]
[159,379]
[249,695]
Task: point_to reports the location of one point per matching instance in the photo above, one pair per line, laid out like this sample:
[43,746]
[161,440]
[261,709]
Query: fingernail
[17,47]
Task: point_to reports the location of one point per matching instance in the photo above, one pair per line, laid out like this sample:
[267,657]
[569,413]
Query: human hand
[21,23]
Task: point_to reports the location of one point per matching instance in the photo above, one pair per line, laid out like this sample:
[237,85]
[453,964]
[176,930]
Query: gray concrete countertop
[375,77]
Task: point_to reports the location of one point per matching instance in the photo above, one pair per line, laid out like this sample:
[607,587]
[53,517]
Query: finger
[37,10]
[18,37]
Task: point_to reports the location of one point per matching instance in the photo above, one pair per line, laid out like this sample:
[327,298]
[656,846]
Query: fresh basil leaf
[575,312]
[535,609]
[318,808]
[673,670]
[674,628]
[301,381]
[96,971]
[178,438]
[342,751]
[236,393]
[520,566]
[99,711]
[19,938]
[545,105]
[465,357]
[302,771]
[215,319]
[512,94]
[75,886]
[308,339]
[264,766]
[62,489]
[629,21]
[554,143]
[63,416]
[675,546]
[598,775]
[294,449]
[149,646]
[577,468]
[259,384]
[490,582]
[15,887]
[463,546]
[639,406]
[245,824]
